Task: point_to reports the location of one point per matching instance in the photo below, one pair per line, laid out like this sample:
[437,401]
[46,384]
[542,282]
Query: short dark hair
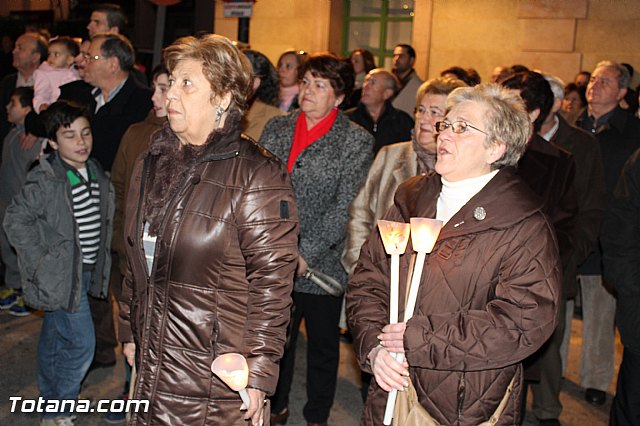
[25,96]
[119,46]
[115,15]
[268,91]
[517,68]
[580,90]
[328,65]
[410,50]
[61,114]
[69,44]
[474,77]
[535,91]
[459,73]
[159,70]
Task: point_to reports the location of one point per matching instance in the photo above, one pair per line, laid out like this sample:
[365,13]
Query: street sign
[241,9]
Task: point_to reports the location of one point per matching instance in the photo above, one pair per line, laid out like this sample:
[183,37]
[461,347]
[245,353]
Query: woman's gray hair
[506,120]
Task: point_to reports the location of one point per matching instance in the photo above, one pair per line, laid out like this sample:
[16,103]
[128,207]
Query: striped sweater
[85,192]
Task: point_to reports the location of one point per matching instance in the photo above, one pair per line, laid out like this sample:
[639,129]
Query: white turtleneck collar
[454,195]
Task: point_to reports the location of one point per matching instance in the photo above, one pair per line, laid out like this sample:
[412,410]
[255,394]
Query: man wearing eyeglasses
[618,133]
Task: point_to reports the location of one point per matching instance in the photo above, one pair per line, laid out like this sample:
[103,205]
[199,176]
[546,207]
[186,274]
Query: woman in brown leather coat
[211,234]
[490,288]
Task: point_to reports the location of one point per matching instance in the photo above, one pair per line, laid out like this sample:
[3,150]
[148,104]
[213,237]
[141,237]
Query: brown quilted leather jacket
[221,281]
[488,299]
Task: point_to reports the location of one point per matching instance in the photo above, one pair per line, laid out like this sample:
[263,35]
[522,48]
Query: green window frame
[383,50]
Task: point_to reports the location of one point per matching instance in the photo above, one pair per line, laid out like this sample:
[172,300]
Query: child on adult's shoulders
[54,72]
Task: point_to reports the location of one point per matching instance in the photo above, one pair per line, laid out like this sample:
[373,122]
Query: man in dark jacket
[376,113]
[591,199]
[621,247]
[550,171]
[118,101]
[619,135]
[30,51]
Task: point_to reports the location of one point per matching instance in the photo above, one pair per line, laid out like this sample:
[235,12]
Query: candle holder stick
[424,233]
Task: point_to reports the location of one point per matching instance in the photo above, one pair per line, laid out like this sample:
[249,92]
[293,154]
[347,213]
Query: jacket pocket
[51,284]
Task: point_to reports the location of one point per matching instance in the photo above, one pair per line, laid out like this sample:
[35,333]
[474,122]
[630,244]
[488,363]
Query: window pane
[364,34]
[402,8]
[388,62]
[398,32]
[366,7]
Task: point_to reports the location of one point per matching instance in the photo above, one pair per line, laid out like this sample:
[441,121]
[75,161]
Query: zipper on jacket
[461,392]
[76,250]
[139,229]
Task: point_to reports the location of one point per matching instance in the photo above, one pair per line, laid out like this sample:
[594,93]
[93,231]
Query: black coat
[590,195]
[108,125]
[618,138]
[549,171]
[130,105]
[392,126]
[621,244]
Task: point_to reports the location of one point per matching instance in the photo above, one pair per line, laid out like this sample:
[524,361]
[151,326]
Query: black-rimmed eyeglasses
[456,127]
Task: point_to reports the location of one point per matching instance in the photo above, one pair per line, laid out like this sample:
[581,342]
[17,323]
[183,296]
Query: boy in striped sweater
[60,227]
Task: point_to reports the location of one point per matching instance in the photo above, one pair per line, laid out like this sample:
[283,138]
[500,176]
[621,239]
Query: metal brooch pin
[479,213]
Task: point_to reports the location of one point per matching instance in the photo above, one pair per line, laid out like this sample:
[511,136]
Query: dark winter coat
[621,247]
[41,227]
[221,281]
[619,137]
[326,178]
[590,195]
[392,126]
[488,298]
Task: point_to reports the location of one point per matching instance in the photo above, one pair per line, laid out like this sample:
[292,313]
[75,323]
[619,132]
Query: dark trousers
[102,315]
[321,315]
[546,392]
[625,409]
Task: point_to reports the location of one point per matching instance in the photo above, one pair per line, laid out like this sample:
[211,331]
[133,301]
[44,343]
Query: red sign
[165,2]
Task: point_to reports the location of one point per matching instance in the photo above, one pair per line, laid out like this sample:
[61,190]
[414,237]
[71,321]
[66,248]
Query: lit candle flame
[424,233]
[232,369]
[395,236]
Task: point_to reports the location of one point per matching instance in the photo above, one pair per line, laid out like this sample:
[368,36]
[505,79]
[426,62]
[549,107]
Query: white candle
[395,237]
[233,370]
[424,233]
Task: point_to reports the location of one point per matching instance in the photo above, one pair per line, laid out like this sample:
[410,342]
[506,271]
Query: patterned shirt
[85,192]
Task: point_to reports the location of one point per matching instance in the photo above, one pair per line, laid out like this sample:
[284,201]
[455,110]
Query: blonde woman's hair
[226,69]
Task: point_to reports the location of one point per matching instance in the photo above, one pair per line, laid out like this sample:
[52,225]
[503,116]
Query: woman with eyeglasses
[328,157]
[489,289]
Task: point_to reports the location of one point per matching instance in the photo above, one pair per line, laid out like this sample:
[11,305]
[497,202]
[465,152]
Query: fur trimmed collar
[172,162]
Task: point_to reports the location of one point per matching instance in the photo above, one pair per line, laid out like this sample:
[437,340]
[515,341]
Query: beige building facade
[557,36]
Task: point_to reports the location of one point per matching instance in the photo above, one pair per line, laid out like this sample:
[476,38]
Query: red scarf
[304,137]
